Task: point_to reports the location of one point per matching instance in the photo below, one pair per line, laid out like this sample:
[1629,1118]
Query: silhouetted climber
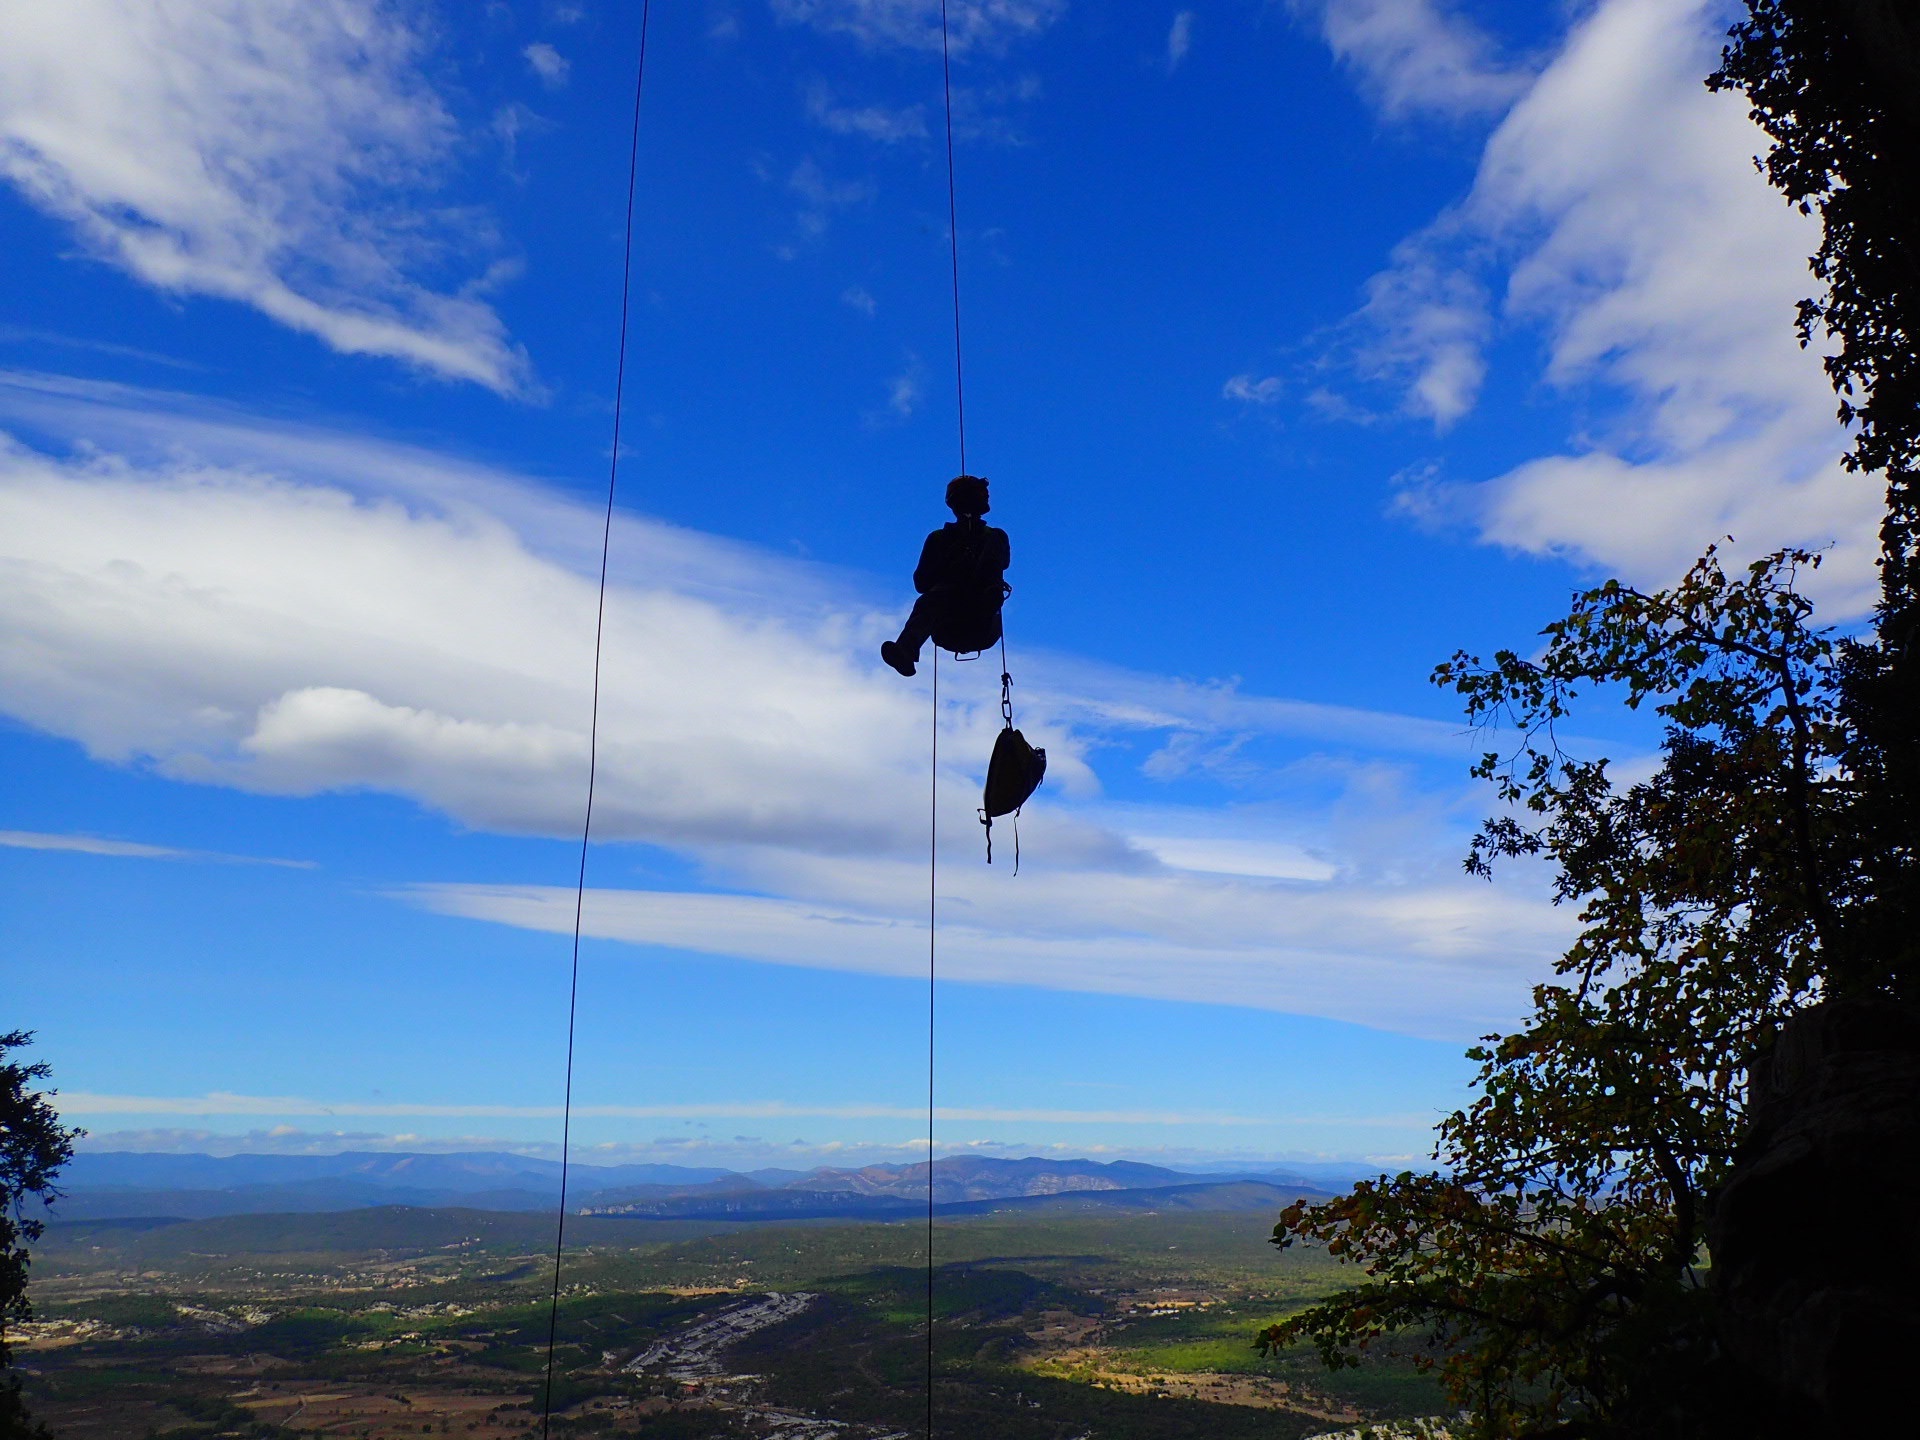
[959,578]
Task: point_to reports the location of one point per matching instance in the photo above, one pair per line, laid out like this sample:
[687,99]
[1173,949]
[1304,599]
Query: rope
[933,891]
[933,805]
[953,242]
[593,722]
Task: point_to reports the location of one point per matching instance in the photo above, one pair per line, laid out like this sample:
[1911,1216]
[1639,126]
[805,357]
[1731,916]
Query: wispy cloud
[915,24]
[1253,389]
[888,124]
[1427,323]
[745,1151]
[1179,39]
[903,391]
[133,850]
[549,64]
[1435,960]
[1413,55]
[21,334]
[269,152]
[822,196]
[220,1102]
[1617,214]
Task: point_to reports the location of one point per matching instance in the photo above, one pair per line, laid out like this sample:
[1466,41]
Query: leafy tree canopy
[1836,86]
[33,1147]
[1549,1269]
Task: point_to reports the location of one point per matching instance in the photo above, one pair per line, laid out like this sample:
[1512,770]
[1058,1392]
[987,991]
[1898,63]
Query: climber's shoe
[891,652]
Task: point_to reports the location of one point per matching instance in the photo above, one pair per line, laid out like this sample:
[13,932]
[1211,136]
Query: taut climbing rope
[593,722]
[933,805]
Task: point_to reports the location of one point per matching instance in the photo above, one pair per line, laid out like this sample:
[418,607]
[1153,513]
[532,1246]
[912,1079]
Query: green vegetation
[33,1147]
[1218,1340]
[429,1329]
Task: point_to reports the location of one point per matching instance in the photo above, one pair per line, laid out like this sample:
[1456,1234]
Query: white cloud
[859,298]
[821,196]
[548,63]
[915,24]
[269,152]
[1214,855]
[1253,390]
[291,610]
[1179,39]
[903,391]
[132,850]
[875,122]
[17,334]
[221,1102]
[1417,55]
[1378,955]
[1426,323]
[741,1151]
[1617,214]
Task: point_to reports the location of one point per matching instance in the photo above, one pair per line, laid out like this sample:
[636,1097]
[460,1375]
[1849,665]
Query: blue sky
[1306,343]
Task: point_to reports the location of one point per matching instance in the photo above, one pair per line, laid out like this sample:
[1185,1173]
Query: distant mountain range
[102,1185]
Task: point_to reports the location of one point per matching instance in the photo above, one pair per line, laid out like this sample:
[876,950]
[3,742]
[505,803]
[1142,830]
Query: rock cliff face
[1816,1249]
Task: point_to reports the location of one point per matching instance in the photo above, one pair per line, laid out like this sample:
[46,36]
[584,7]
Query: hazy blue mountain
[1226,1196]
[290,1198]
[459,1171]
[790,1204]
[972,1177]
[639,1194]
[1327,1174]
[108,1185]
[763,1204]
[774,1176]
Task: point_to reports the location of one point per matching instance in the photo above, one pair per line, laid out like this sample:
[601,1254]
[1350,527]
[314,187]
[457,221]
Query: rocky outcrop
[1816,1253]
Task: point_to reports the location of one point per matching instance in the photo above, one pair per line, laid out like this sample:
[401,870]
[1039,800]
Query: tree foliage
[1549,1269]
[1836,86]
[33,1147]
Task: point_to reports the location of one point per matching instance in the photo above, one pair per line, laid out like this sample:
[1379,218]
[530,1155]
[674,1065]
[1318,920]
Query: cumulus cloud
[292,611]
[131,849]
[1413,55]
[1617,214]
[915,24]
[268,152]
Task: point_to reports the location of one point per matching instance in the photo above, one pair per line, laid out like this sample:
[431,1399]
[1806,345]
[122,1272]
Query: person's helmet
[967,495]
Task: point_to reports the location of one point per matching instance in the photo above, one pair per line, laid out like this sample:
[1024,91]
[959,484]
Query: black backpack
[1013,774]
